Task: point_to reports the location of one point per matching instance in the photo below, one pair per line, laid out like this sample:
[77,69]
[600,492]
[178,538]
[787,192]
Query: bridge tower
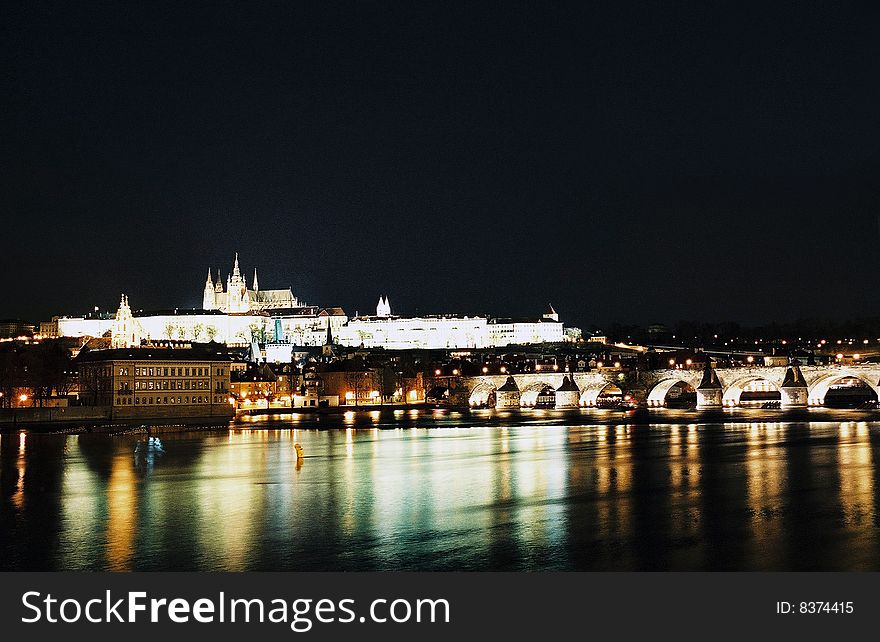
[568,395]
[793,391]
[710,392]
[508,395]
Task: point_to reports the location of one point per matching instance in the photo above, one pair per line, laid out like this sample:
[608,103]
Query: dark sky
[626,165]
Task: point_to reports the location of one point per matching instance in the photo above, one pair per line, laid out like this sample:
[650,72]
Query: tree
[11,375]
[211,331]
[48,367]
[354,380]
[391,381]
[198,328]
[169,330]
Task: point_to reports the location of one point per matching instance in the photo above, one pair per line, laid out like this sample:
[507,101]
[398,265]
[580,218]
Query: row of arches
[833,391]
[544,395]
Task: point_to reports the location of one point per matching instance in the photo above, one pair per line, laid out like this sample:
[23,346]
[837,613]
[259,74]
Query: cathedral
[238,299]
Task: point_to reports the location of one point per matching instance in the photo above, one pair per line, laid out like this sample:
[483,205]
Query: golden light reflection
[765,480]
[856,466]
[223,499]
[18,496]
[122,506]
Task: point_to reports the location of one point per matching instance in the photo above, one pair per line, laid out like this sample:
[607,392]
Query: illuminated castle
[238,299]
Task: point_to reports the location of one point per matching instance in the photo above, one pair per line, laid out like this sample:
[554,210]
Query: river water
[446,490]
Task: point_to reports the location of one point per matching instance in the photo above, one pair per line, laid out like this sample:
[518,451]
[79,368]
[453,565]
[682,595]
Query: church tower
[383,308]
[208,300]
[125,331]
[237,297]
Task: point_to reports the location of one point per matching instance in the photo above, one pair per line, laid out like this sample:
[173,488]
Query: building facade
[237,298]
[239,316]
[156,383]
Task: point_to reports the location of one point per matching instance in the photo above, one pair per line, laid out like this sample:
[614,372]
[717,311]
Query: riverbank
[390,418]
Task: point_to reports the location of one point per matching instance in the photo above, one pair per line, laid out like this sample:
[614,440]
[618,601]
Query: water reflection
[382,491]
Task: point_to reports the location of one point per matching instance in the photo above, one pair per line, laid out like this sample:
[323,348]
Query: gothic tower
[125,331]
[208,300]
[237,297]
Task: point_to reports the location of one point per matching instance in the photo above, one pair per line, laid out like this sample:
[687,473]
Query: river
[447,490]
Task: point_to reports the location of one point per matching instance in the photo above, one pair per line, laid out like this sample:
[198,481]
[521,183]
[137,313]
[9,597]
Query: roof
[568,385]
[509,386]
[710,379]
[174,312]
[794,378]
[272,296]
[332,312]
[301,311]
[495,320]
[203,352]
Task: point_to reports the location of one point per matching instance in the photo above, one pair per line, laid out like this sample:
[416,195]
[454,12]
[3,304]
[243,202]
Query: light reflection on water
[386,492]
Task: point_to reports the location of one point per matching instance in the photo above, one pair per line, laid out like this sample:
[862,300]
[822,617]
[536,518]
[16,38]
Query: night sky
[625,165]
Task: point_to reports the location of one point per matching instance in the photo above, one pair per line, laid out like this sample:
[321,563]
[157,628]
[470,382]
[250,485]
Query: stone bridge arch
[482,395]
[529,392]
[820,386]
[656,397]
[734,391]
[591,392]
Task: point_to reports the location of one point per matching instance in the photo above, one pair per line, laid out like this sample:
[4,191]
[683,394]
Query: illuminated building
[156,382]
[240,316]
[238,299]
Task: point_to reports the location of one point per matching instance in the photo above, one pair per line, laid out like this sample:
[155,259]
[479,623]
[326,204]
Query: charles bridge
[714,387]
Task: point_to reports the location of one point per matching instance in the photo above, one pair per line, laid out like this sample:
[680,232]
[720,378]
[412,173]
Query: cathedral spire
[256,283]
[125,331]
[209,283]
[235,270]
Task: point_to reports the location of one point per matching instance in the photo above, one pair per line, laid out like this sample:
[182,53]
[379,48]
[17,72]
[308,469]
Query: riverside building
[152,383]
